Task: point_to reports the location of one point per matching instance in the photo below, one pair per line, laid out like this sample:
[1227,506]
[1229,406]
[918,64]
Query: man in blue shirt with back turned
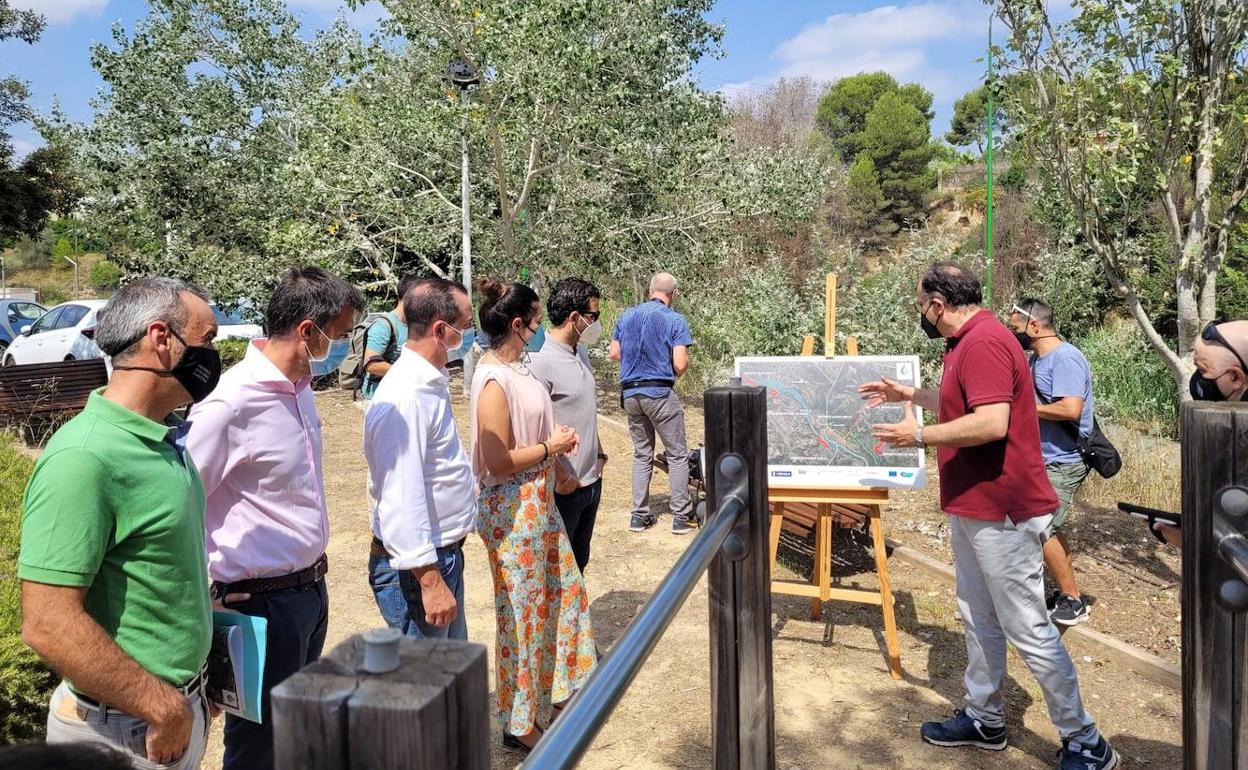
[1063,383]
[651,343]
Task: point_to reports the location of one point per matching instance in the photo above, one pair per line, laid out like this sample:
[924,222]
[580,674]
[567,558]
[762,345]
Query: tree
[969,125]
[897,138]
[871,115]
[866,204]
[842,113]
[1135,108]
[39,185]
[591,150]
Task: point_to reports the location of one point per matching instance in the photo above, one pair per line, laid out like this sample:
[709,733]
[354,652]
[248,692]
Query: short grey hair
[124,321]
[663,282]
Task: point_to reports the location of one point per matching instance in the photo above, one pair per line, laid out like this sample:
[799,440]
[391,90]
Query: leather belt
[303,577]
[378,548]
[187,690]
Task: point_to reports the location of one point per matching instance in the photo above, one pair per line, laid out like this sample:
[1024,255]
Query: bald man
[1221,375]
[651,343]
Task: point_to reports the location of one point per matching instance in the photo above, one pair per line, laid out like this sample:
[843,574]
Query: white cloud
[898,39]
[62,11]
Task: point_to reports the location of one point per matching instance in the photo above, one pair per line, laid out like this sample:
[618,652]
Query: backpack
[351,372]
[1097,451]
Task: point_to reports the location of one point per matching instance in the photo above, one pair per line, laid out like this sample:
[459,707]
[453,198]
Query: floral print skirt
[545,649]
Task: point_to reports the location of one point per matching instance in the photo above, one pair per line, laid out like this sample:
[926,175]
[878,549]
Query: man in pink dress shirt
[257,443]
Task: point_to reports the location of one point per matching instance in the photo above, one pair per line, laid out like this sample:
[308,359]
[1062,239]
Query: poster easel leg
[886,593]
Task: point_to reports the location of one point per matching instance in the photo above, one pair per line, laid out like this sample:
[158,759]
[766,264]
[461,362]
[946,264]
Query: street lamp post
[462,76]
[988,159]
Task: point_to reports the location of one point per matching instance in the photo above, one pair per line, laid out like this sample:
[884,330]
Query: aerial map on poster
[819,427]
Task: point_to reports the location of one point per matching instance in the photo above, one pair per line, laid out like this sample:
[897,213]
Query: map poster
[819,427]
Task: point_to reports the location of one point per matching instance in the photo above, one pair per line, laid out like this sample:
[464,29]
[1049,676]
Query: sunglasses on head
[1212,335]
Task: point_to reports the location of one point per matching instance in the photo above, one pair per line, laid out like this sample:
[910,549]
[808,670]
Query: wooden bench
[39,390]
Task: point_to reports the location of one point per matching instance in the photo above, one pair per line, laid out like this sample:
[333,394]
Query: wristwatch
[918,437]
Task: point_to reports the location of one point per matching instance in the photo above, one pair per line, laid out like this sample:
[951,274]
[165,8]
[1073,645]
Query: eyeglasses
[592,315]
[1211,334]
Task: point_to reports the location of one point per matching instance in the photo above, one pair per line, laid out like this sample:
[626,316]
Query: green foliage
[871,116]
[25,683]
[865,203]
[1014,179]
[974,198]
[843,111]
[969,124]
[897,137]
[62,248]
[51,294]
[877,307]
[231,351]
[1132,387]
[1069,281]
[105,275]
[1132,115]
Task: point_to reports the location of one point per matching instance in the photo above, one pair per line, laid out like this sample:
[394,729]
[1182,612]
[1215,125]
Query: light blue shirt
[647,333]
[1062,373]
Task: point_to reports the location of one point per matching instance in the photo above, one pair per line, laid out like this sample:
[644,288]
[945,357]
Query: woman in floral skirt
[545,649]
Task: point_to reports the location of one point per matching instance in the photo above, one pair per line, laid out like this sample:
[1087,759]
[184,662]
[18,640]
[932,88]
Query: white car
[64,333]
[232,326]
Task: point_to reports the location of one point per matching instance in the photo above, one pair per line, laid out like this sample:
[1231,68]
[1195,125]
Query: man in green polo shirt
[115,578]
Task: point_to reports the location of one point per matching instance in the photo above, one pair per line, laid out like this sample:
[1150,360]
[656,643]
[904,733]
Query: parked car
[234,326]
[16,315]
[64,333]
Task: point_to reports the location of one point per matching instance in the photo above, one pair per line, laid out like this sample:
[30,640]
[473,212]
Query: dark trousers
[298,619]
[579,510]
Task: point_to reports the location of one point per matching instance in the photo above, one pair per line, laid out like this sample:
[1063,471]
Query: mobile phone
[1152,516]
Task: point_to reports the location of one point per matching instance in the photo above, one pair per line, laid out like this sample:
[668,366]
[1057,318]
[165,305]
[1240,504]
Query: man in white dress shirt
[419,475]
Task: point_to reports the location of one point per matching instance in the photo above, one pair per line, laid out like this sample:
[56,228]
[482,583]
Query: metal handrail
[567,741]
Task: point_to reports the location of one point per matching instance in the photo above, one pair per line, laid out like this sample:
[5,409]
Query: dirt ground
[836,706]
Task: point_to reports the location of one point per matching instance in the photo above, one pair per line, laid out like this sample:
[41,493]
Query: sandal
[513,742]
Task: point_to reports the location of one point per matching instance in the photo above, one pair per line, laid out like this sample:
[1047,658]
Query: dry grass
[1149,476]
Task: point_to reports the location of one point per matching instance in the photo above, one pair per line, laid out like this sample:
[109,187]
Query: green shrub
[105,275]
[1132,386]
[25,683]
[51,294]
[232,351]
[1071,281]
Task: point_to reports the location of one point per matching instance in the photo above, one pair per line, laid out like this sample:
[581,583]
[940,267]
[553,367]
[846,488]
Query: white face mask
[591,333]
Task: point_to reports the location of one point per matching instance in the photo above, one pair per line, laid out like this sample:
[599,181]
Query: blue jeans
[579,511]
[398,596]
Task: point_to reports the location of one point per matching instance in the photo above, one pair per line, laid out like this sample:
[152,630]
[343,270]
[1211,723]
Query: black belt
[378,548]
[188,689]
[303,577]
[631,384]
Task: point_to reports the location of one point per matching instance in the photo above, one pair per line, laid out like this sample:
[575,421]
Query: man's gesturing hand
[884,390]
[898,434]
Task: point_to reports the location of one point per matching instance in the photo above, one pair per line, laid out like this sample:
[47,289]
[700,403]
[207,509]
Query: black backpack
[1097,451]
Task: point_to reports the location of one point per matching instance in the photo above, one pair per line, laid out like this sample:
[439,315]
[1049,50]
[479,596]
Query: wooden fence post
[1215,684]
[432,711]
[742,701]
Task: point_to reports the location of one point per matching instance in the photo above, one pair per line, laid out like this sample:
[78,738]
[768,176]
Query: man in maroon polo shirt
[994,486]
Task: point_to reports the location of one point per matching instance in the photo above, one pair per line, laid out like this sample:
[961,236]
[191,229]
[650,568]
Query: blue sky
[933,42]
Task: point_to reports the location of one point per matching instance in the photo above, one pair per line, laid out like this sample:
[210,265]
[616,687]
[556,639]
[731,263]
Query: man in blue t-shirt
[1063,384]
[651,343]
[383,343]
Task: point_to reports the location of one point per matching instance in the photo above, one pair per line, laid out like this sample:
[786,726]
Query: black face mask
[1024,339]
[928,327]
[1206,389]
[197,371]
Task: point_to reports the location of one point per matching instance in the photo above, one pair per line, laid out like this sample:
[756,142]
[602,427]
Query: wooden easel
[801,510]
